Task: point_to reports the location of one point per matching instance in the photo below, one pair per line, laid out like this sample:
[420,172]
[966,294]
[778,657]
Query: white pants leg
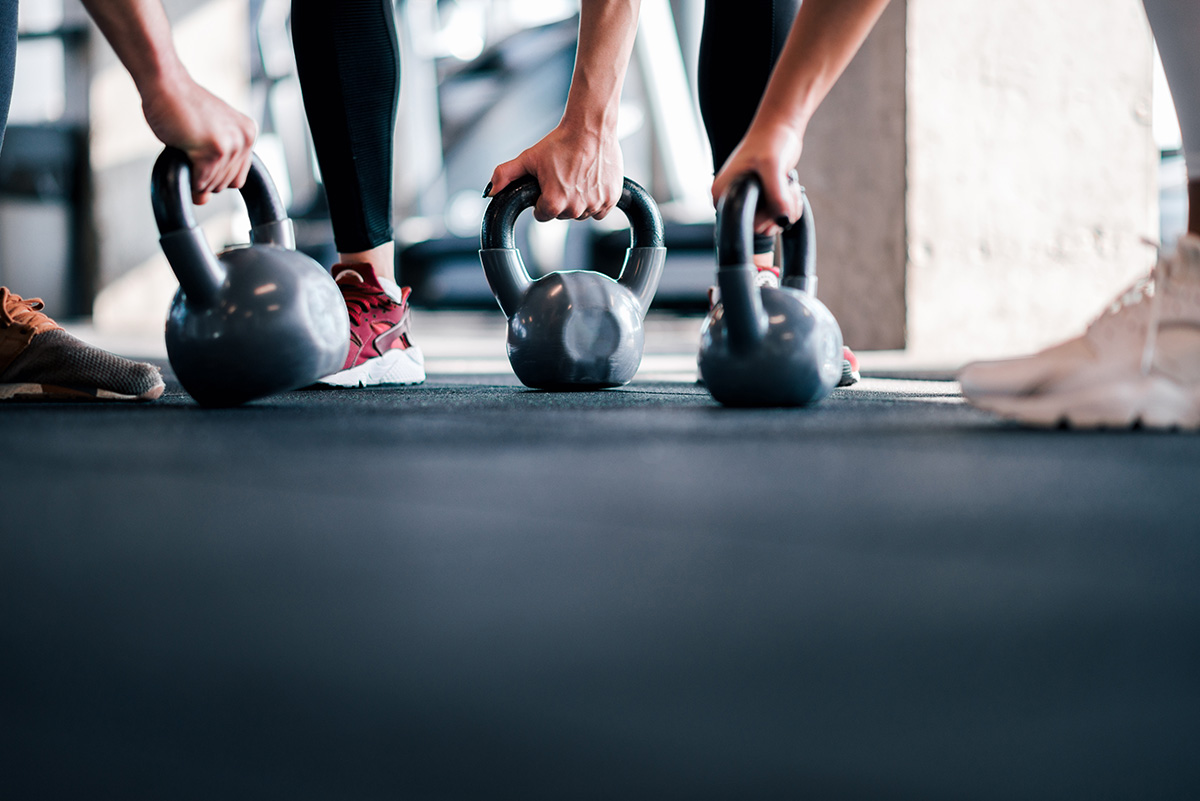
[1176,27]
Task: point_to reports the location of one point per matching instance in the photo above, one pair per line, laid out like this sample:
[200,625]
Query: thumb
[505,174]
[779,199]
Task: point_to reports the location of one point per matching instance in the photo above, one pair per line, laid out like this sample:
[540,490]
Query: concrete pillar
[984,174]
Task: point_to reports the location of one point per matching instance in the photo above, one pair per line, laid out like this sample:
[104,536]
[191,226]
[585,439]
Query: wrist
[595,122]
[586,135]
[161,74]
[781,128]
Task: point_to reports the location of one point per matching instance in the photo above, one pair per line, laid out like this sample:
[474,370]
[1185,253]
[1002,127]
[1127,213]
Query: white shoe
[381,350]
[1138,363]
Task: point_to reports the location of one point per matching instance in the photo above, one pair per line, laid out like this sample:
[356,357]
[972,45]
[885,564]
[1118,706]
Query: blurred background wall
[983,176]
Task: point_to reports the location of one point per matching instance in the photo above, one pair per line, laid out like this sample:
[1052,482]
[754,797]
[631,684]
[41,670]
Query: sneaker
[850,374]
[1137,363]
[380,349]
[769,276]
[40,361]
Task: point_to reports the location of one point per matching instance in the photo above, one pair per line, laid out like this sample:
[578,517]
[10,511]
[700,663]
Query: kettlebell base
[797,361]
[560,379]
[560,387]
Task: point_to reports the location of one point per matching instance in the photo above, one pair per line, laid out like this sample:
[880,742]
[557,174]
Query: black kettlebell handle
[745,317]
[171,196]
[199,271]
[735,234]
[500,219]
[799,246]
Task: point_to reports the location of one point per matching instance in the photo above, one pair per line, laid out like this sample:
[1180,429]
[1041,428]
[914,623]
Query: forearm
[140,34]
[823,40]
[578,165]
[607,29]
[216,137]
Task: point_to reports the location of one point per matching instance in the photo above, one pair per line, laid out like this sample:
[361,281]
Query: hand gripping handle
[199,272]
[506,272]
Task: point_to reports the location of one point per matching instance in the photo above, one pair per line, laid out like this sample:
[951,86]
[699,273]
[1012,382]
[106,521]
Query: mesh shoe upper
[20,321]
[1152,327]
[1138,363]
[46,361]
[378,322]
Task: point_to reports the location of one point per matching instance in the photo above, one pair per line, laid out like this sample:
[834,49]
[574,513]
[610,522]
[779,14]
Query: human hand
[771,152]
[580,174]
[217,139]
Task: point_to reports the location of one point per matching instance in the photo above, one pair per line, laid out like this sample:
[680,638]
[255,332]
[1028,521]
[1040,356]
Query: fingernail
[487,190]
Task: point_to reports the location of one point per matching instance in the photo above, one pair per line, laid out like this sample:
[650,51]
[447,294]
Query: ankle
[381,260]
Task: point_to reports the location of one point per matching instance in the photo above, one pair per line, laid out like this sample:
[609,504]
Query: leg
[37,358]
[8,57]
[1176,26]
[347,58]
[739,46]
[1139,361]
[738,49]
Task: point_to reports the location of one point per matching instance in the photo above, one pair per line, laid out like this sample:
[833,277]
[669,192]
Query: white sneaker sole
[397,366]
[53,392]
[1152,402]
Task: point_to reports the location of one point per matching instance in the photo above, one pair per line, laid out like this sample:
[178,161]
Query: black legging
[740,43]
[8,58]
[347,58]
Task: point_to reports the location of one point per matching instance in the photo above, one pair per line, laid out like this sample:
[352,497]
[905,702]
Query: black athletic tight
[348,61]
[8,54]
[741,41]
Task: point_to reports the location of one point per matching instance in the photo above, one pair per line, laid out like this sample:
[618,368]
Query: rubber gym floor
[472,590]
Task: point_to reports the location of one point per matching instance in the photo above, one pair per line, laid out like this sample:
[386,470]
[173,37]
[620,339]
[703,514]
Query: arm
[823,39]
[579,164]
[216,138]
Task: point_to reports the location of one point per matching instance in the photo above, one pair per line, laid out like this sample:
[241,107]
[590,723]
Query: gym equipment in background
[762,346]
[254,319]
[573,329]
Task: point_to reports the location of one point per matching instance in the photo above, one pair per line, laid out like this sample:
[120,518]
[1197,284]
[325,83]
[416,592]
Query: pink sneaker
[850,374]
[380,349]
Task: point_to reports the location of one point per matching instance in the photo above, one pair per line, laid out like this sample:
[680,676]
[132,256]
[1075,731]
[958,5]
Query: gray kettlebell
[573,329]
[762,346]
[254,319]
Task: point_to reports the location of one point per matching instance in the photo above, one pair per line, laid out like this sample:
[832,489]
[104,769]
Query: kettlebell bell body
[766,346]
[573,329]
[254,319]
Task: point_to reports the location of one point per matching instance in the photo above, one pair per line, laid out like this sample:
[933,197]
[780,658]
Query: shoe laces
[768,277]
[18,311]
[1150,287]
[360,298]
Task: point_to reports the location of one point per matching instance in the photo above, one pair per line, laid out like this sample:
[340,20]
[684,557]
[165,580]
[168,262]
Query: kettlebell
[573,329]
[253,319]
[762,346]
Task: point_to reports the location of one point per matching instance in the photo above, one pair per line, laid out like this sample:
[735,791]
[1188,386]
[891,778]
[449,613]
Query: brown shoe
[40,361]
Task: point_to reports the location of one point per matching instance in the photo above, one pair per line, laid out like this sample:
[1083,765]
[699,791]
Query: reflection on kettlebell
[574,329]
[254,319]
[762,346]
